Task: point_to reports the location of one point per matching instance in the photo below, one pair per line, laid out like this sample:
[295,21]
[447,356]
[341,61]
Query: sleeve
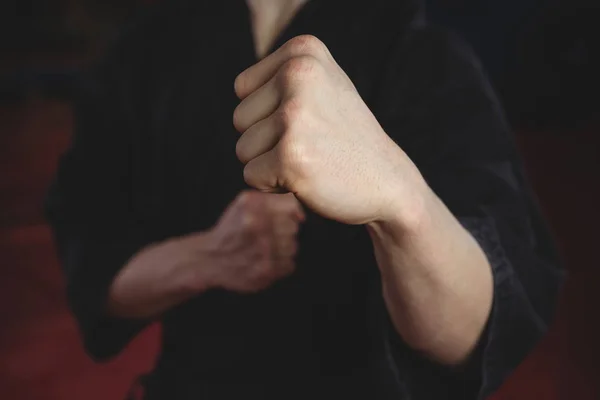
[437,105]
[89,204]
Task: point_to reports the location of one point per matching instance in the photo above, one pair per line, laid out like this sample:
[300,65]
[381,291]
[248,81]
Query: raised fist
[306,130]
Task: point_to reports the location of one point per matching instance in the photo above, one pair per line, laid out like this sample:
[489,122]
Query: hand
[306,130]
[256,241]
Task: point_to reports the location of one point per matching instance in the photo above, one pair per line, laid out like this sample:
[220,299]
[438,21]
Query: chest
[186,171]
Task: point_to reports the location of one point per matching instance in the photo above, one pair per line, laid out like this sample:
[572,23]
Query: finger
[283,258]
[259,139]
[248,211]
[283,251]
[285,267]
[289,205]
[261,172]
[285,227]
[286,249]
[258,74]
[298,210]
[257,106]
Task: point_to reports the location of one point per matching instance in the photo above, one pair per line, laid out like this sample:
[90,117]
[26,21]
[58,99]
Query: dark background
[541,57]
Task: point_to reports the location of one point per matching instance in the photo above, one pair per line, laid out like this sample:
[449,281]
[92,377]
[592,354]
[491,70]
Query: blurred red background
[41,356]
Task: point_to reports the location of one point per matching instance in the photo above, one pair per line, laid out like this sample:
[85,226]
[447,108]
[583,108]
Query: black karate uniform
[153,157]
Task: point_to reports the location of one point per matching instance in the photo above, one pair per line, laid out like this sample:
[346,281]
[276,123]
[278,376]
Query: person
[362,229]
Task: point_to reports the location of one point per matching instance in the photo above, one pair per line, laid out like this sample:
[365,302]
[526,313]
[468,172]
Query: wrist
[198,264]
[408,212]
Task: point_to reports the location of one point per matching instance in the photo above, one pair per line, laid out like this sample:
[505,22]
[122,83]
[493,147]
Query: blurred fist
[256,241]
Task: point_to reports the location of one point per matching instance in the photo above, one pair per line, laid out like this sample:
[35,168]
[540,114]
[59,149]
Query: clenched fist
[306,130]
[256,241]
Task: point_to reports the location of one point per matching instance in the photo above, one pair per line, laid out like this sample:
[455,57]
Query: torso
[312,323]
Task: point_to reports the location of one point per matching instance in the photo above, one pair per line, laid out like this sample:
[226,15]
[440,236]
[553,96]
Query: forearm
[162,276]
[437,282]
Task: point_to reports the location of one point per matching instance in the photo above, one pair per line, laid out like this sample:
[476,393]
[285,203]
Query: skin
[252,245]
[306,131]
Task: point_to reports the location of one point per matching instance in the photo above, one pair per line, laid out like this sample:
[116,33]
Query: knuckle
[306,44]
[292,154]
[263,248]
[263,273]
[239,84]
[244,198]
[249,222]
[241,151]
[248,175]
[251,200]
[300,68]
[251,225]
[244,195]
[236,118]
[290,113]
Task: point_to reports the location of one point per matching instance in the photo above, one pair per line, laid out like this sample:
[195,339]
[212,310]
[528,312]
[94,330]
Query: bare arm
[162,276]
[444,280]
[251,247]
[436,280]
